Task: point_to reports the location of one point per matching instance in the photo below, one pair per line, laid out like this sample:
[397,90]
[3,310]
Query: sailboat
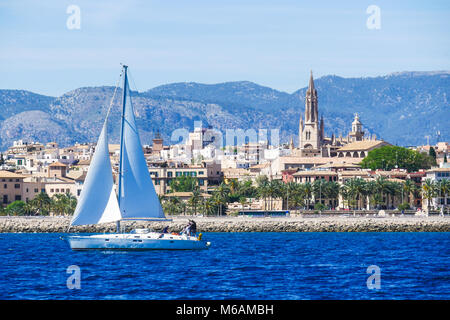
[136,198]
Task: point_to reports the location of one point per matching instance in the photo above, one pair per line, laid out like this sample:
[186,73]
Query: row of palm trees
[356,193]
[42,205]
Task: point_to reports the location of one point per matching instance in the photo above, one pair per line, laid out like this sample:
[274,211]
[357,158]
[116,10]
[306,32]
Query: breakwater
[239,224]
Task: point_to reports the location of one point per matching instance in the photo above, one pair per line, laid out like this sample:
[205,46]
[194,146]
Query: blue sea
[266,266]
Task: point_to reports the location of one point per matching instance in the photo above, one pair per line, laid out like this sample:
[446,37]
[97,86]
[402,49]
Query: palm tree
[208,206]
[195,199]
[444,187]
[262,190]
[172,205]
[43,203]
[318,188]
[372,194]
[29,208]
[221,196]
[71,203]
[395,189]
[429,191]
[274,190]
[332,192]
[408,187]
[307,192]
[233,184]
[16,208]
[58,204]
[289,190]
[382,185]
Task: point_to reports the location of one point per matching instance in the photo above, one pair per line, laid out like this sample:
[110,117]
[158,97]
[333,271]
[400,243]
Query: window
[201,182]
[5,198]
[178,174]
[36,190]
[52,190]
[200,173]
[18,197]
[17,186]
[5,186]
[67,190]
[169,174]
[43,190]
[57,190]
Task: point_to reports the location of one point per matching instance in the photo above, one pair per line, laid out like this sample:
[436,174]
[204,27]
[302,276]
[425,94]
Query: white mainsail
[98,200]
[137,198]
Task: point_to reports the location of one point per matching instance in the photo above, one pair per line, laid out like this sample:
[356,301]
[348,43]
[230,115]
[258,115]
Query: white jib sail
[137,197]
[98,200]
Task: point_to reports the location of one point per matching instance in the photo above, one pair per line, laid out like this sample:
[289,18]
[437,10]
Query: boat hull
[133,242]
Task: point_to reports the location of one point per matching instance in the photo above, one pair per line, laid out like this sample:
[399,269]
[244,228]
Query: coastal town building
[11,188]
[207,174]
[313,142]
[437,175]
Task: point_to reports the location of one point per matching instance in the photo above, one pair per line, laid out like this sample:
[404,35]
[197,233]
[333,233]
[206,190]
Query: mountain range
[400,108]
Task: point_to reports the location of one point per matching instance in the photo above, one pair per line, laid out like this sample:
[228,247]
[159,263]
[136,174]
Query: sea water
[286,266]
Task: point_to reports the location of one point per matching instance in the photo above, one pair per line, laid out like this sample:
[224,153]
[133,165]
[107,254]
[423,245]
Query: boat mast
[124,100]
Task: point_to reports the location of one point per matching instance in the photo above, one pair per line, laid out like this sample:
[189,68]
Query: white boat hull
[136,242]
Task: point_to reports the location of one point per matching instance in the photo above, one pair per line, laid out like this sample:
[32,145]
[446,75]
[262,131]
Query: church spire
[311,83]
[311,109]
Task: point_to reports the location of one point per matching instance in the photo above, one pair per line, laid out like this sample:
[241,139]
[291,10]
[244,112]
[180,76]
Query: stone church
[312,141]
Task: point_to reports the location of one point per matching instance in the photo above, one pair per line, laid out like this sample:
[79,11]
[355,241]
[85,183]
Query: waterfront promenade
[341,223]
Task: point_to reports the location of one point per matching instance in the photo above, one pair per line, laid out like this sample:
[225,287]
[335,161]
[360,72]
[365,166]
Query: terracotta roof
[355,173]
[363,145]
[57,164]
[439,170]
[391,173]
[260,166]
[315,173]
[339,165]
[9,174]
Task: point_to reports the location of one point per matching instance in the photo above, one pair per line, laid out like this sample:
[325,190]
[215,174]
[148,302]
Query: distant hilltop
[404,108]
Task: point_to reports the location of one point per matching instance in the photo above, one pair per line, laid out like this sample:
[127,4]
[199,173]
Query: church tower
[311,132]
[357,133]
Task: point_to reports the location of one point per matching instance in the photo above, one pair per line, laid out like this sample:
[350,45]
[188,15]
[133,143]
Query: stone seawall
[238,224]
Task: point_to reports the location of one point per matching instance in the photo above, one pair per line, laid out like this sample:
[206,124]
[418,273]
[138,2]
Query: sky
[48,48]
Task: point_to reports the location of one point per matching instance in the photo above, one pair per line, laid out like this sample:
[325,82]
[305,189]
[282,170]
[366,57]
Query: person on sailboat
[166,229]
[193,228]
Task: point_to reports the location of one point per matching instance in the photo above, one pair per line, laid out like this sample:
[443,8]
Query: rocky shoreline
[239,224]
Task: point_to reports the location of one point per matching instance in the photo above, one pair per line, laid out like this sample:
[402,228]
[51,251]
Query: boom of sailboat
[134,199]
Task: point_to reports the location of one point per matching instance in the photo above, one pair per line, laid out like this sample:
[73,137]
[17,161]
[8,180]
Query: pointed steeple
[291,143]
[311,109]
[311,83]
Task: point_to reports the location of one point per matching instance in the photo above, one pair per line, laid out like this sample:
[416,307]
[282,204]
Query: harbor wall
[239,224]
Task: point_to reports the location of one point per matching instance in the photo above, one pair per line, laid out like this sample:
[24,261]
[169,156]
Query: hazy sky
[272,43]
